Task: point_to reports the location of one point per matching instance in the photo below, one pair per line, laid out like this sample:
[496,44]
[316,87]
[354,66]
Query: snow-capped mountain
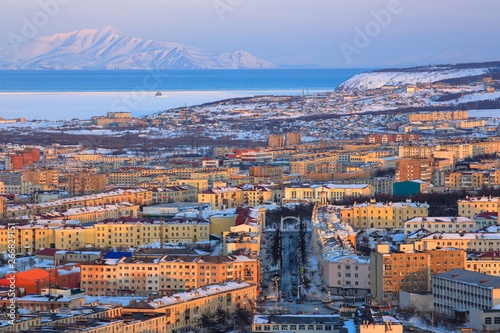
[414,75]
[108,48]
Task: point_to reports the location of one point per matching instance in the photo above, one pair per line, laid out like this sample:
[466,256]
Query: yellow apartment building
[178,193]
[472,206]
[131,232]
[382,215]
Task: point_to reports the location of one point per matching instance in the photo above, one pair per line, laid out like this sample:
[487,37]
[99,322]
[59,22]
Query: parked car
[299,301]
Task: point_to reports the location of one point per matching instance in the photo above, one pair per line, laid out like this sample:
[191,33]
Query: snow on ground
[372,80]
[479,96]
[25,264]
[493,113]
[418,322]
[218,249]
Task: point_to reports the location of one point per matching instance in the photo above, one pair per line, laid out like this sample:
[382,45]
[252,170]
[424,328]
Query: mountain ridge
[109,48]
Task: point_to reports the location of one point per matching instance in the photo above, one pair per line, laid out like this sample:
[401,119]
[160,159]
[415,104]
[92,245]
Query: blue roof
[117,255]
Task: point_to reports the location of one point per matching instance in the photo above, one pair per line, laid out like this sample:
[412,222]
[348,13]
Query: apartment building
[122,232]
[440,224]
[265,173]
[487,263]
[112,117]
[408,270]
[199,184]
[222,198]
[42,177]
[347,275]
[414,168]
[256,195]
[458,291]
[472,206]
[179,193]
[437,116]
[378,185]
[232,197]
[386,138]
[415,151]
[93,214]
[183,310]
[469,241]
[123,177]
[276,140]
[133,196]
[85,183]
[486,219]
[171,273]
[246,233]
[21,159]
[293,138]
[471,179]
[130,232]
[297,323]
[382,215]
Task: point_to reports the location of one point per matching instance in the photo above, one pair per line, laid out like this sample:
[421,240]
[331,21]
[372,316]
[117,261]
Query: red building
[26,158]
[33,281]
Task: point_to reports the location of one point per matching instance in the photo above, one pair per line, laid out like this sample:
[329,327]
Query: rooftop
[471,277]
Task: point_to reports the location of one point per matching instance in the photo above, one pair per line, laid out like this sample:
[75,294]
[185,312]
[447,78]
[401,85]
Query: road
[289,243]
[289,264]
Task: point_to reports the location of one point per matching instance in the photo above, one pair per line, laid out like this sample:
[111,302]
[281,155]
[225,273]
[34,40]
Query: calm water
[56,95]
[178,80]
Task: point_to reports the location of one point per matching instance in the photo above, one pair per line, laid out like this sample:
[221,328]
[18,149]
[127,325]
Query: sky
[307,33]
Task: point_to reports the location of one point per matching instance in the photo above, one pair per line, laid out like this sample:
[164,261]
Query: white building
[345,274]
[458,291]
[296,323]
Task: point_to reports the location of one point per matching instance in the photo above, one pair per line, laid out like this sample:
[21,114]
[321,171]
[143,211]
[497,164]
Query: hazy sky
[333,33]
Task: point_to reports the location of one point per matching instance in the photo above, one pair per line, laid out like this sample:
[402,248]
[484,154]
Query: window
[497,320]
[487,320]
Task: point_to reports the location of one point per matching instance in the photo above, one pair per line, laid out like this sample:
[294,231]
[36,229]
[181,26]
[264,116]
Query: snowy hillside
[377,79]
[109,48]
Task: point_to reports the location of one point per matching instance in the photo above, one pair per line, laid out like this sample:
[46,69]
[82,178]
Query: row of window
[294,327]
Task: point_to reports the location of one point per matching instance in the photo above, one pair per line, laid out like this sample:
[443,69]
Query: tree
[221,316]
[207,320]
[276,247]
[243,316]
